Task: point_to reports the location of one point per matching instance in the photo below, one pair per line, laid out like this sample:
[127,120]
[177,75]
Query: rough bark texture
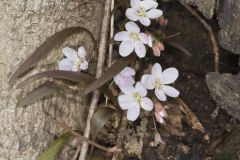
[225,91]
[24,25]
[229,21]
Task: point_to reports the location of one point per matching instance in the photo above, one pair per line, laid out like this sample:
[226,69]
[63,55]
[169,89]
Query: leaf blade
[54,149]
[44,90]
[99,119]
[116,68]
[58,74]
[44,49]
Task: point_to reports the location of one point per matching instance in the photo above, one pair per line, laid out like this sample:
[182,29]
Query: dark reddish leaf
[44,90]
[65,75]
[116,68]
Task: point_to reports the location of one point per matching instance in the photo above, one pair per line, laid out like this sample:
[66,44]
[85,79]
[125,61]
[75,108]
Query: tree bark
[24,25]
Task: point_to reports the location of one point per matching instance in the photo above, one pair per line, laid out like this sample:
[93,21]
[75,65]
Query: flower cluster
[134,97]
[132,39]
[134,94]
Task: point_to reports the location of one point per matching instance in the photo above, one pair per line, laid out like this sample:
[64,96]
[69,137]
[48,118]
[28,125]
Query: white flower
[74,61]
[159,81]
[125,77]
[132,39]
[143,11]
[133,99]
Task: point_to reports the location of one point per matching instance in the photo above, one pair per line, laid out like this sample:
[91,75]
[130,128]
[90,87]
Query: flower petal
[70,53]
[125,101]
[126,47]
[147,4]
[146,104]
[135,3]
[144,38]
[82,52]
[128,71]
[84,65]
[133,112]
[132,27]
[148,81]
[154,13]
[121,36]
[140,49]
[65,64]
[169,75]
[128,90]
[170,91]
[131,14]
[150,41]
[124,81]
[145,21]
[160,95]
[139,88]
[76,68]
[157,70]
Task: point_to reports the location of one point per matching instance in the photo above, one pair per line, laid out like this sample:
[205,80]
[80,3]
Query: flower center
[137,97]
[134,36]
[78,62]
[141,12]
[158,84]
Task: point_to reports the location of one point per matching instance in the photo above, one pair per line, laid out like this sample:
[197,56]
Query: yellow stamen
[135,36]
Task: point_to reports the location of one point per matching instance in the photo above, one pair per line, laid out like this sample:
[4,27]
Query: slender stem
[171,36]
[77,152]
[154,123]
[100,65]
[111,34]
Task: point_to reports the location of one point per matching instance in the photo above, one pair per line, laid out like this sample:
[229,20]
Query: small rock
[225,90]
[229,21]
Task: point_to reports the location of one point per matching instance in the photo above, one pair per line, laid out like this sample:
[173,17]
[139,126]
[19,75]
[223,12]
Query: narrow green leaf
[65,75]
[116,68]
[40,92]
[99,119]
[43,50]
[179,46]
[55,148]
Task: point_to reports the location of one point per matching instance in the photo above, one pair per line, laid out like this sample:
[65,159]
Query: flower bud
[160,113]
[157,48]
[163,21]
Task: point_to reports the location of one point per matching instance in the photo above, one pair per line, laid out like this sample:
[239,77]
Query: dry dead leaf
[191,118]
[174,120]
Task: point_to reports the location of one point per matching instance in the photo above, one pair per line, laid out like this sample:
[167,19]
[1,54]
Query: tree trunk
[24,25]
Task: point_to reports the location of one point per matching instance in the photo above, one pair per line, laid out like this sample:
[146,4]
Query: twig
[100,65]
[212,36]
[77,152]
[111,34]
[120,138]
